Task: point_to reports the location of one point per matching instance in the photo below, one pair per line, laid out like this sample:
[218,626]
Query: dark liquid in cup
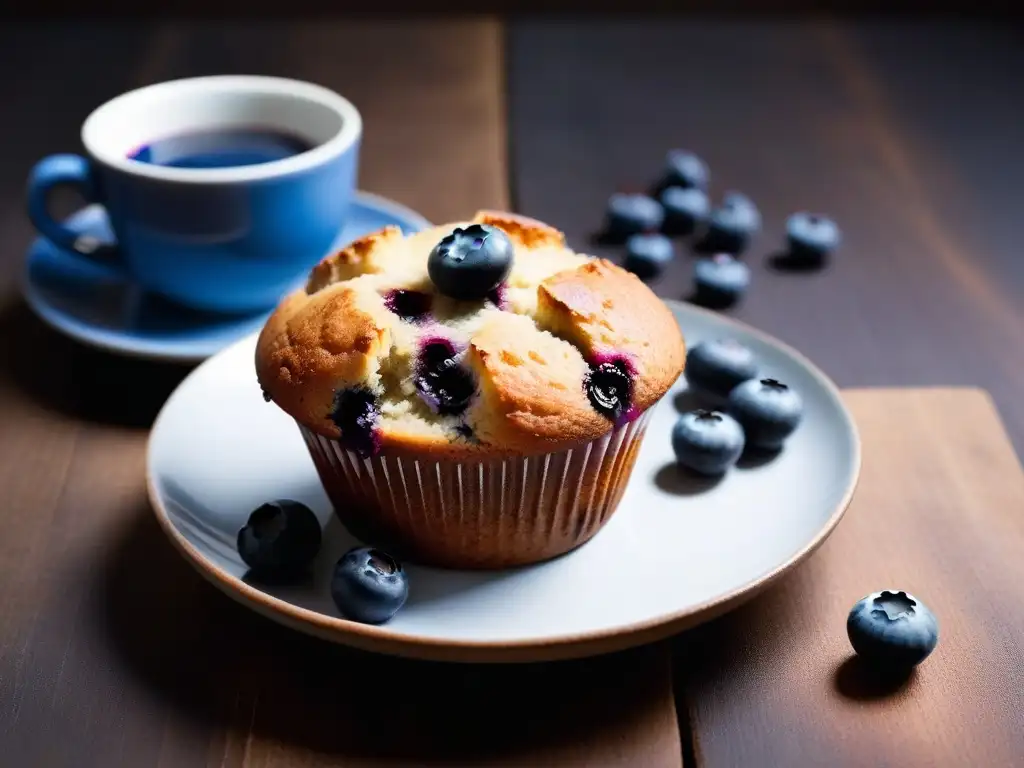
[221,148]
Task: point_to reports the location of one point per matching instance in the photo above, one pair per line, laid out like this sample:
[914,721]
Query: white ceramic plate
[676,553]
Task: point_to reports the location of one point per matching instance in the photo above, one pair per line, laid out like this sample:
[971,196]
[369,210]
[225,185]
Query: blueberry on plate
[685,210]
[707,442]
[280,540]
[717,366]
[685,169]
[892,628]
[811,236]
[368,585]
[648,254]
[471,262]
[732,224]
[720,280]
[630,214]
[768,411]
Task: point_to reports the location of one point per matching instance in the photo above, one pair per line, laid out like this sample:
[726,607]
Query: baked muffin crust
[358,342]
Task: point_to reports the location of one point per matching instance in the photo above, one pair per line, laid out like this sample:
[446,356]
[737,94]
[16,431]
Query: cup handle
[65,170]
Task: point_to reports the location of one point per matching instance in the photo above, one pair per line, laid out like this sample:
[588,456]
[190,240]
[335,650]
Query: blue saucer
[97,307]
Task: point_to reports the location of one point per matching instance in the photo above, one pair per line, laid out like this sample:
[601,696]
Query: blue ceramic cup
[221,191]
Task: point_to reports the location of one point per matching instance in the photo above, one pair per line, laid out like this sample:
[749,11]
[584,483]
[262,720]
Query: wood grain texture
[113,652]
[937,513]
[906,133]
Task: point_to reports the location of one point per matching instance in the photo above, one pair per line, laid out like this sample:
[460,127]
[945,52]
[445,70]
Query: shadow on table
[82,382]
[737,656]
[710,651]
[858,680]
[790,263]
[225,668]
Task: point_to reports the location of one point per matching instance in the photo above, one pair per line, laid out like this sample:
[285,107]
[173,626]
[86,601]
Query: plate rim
[579,645]
[107,341]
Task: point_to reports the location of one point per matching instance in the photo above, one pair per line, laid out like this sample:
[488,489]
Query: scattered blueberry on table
[768,410]
[368,585]
[731,225]
[685,169]
[717,366]
[470,262]
[686,209]
[811,236]
[647,254]
[707,442]
[280,540]
[892,628]
[724,232]
[631,214]
[720,281]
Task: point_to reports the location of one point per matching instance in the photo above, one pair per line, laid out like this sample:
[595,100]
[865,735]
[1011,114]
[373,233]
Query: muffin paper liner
[491,513]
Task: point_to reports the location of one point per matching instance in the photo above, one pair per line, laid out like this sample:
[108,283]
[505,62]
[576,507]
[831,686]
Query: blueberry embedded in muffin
[356,413]
[491,328]
[498,296]
[609,387]
[411,306]
[441,380]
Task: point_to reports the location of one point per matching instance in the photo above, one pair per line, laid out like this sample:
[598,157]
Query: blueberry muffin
[473,395]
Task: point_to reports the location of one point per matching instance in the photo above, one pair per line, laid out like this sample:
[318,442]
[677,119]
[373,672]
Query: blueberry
[811,236]
[720,280]
[648,254]
[280,540]
[609,388]
[411,306]
[732,224]
[685,169]
[369,585]
[470,263]
[685,210]
[499,296]
[768,410]
[355,413]
[629,214]
[717,366]
[892,628]
[708,442]
[443,384]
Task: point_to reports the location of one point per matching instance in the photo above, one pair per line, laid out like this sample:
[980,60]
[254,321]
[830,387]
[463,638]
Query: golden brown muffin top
[371,353]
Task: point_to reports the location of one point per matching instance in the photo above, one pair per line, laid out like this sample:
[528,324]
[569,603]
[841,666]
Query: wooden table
[114,653]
